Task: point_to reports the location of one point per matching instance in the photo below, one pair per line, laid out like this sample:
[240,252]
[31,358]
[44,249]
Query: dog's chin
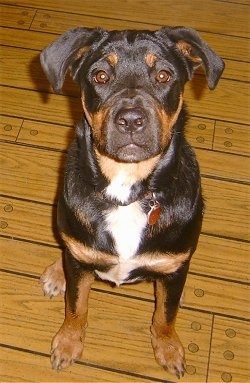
[132,153]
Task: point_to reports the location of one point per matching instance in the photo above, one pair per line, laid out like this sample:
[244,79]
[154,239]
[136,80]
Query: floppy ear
[58,56]
[197,52]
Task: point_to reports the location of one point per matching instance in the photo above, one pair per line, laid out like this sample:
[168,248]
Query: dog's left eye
[163,76]
[101,77]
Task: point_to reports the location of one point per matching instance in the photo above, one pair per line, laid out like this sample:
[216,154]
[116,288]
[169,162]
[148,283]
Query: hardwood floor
[36,128]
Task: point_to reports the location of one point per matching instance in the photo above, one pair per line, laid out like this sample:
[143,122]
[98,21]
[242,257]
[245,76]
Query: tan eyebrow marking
[150,59]
[112,59]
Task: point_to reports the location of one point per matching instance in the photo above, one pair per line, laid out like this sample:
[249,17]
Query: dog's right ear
[57,58]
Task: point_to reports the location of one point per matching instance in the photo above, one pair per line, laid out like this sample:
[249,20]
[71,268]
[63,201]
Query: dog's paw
[169,353]
[53,279]
[66,349]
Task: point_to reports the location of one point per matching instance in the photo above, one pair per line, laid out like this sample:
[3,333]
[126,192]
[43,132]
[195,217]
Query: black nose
[130,120]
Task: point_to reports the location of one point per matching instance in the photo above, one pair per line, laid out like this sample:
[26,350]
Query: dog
[131,207]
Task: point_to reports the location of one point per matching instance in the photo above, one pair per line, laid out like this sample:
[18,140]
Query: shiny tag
[154,212]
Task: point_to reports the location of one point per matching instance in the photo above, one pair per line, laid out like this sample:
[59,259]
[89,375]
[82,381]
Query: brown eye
[101,77]
[163,76]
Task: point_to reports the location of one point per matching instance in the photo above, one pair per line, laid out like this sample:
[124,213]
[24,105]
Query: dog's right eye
[101,77]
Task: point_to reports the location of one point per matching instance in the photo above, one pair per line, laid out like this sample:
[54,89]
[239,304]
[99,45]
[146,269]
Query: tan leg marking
[53,279]
[169,352]
[67,345]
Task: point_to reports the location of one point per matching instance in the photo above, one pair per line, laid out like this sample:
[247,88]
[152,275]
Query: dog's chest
[126,225]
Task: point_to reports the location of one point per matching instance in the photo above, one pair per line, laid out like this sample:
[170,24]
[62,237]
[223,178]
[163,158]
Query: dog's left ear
[57,58]
[196,52]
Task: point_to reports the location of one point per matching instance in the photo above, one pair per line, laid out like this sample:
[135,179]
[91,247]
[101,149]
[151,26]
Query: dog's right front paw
[53,279]
[66,349]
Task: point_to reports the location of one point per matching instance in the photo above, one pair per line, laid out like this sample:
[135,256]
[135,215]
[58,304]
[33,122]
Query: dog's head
[131,82]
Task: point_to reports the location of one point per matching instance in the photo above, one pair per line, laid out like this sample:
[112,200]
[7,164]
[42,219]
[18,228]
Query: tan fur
[168,121]
[167,346]
[134,171]
[120,268]
[86,254]
[186,50]
[67,345]
[112,58]
[150,59]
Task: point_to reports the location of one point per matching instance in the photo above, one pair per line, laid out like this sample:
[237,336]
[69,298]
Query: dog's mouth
[132,153]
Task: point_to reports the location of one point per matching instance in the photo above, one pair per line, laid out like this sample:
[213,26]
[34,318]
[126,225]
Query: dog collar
[151,201]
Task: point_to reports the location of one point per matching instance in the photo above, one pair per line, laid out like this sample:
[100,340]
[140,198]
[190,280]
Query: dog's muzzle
[133,130]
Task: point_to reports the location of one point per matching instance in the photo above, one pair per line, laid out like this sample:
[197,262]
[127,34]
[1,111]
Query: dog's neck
[126,181]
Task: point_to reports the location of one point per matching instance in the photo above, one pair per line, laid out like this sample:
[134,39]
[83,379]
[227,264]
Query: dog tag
[154,212]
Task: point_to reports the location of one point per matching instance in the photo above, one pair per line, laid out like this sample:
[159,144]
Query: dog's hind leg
[53,279]
[67,345]
[169,352]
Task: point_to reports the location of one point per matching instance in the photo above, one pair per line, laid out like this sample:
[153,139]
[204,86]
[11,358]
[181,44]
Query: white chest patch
[120,187]
[125,224]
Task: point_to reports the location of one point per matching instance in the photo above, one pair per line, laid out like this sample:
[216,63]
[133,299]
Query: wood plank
[26,76]
[16,17]
[29,104]
[232,70]
[229,360]
[223,165]
[222,258]
[20,366]
[162,12]
[31,173]
[22,38]
[127,329]
[232,138]
[46,135]
[200,132]
[217,296]
[226,102]
[59,22]
[35,257]
[9,128]
[227,209]
[28,220]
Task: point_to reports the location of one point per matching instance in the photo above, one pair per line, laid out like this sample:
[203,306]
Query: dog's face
[131,83]
[132,93]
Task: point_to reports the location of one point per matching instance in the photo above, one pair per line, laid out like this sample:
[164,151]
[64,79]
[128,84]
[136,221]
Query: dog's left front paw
[169,353]
[66,349]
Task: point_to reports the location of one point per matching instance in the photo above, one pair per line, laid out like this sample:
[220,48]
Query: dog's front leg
[169,352]
[67,345]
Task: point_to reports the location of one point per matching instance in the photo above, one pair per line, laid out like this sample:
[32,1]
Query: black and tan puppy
[131,207]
